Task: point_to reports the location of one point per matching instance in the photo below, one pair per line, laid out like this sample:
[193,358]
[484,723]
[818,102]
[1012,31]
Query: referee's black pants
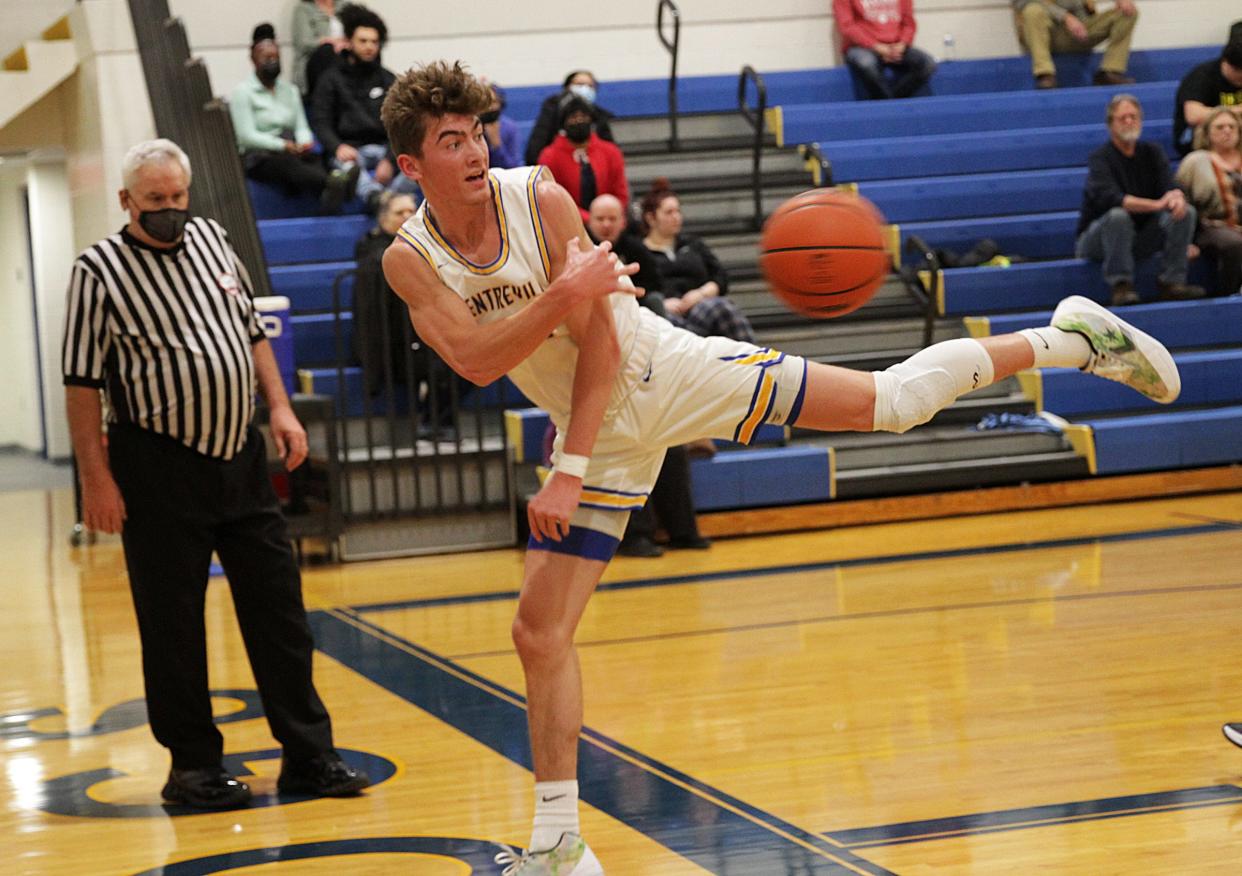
[180,506]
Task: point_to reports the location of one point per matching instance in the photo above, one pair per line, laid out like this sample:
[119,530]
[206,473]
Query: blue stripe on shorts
[792,419]
[590,544]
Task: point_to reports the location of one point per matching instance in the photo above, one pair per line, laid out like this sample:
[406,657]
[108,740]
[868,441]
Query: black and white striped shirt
[168,334]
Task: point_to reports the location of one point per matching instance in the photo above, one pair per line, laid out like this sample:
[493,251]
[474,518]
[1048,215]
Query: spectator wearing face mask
[272,134]
[504,148]
[345,108]
[581,83]
[585,165]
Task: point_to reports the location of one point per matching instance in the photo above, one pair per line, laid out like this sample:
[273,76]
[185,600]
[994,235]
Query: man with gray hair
[1132,209]
[1074,27]
[161,318]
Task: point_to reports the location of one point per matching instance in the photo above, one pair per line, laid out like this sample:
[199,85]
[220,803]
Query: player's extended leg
[1082,335]
[554,594]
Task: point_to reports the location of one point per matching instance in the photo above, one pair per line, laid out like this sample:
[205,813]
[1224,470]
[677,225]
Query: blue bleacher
[271,202]
[762,477]
[314,338]
[1155,441]
[975,152]
[309,286]
[1211,322]
[312,238]
[964,113]
[1035,235]
[1212,377]
[984,194]
[833,84]
[1040,285]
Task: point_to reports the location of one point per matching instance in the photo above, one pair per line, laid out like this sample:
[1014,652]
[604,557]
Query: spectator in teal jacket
[272,133]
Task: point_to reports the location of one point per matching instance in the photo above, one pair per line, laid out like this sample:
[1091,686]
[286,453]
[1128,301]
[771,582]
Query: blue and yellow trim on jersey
[760,408]
[611,500]
[501,222]
[536,221]
[417,246]
[764,357]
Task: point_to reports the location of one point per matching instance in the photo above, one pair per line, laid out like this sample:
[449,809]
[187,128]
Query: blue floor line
[703,825]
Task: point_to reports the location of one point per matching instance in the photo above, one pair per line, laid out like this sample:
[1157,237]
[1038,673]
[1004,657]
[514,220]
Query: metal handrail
[927,295]
[673,47]
[758,121]
[812,153]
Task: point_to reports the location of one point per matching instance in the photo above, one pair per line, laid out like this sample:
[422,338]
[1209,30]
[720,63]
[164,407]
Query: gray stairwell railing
[673,45]
[758,122]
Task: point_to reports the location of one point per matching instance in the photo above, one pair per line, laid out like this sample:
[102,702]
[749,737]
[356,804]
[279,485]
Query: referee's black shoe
[207,788]
[1233,732]
[324,775]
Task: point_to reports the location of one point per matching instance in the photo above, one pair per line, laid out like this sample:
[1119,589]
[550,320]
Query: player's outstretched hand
[596,271]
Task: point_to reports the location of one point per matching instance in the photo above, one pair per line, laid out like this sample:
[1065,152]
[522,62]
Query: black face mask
[578,133]
[165,225]
[489,117]
[268,71]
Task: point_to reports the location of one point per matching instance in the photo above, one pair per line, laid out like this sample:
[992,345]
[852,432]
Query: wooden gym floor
[1031,692]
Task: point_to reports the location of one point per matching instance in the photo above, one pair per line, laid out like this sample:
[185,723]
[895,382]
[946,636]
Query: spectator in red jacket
[586,165]
[876,36]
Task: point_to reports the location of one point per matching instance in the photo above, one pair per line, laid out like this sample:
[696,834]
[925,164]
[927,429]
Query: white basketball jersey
[520,273]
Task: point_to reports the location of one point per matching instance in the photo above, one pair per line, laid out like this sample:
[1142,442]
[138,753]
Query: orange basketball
[823,252]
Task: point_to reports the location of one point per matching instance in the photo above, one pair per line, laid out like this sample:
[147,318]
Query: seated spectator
[1211,176]
[876,37]
[1131,209]
[379,316]
[1074,27]
[1211,84]
[606,221]
[502,133]
[384,342]
[272,135]
[318,36]
[548,122]
[671,503]
[585,165]
[345,108]
[693,281]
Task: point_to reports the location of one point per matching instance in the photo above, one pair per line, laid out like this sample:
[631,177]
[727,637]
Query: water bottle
[950,48]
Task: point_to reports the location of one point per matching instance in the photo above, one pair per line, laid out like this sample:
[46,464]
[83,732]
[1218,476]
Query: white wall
[520,43]
[53,252]
[19,400]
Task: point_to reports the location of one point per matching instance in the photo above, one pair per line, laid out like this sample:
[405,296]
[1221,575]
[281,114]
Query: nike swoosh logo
[1041,338]
[647,376]
[550,799]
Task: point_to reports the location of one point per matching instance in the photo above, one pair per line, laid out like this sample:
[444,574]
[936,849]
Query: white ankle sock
[1057,348]
[556,812]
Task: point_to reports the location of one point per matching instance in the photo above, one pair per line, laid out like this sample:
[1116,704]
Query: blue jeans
[1115,240]
[910,74]
[369,156]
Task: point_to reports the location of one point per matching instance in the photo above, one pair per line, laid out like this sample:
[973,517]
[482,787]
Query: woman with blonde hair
[1211,176]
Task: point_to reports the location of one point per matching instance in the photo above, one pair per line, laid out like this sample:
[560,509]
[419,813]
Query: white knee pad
[911,392]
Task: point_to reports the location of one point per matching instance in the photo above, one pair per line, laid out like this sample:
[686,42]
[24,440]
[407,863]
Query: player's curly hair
[429,92]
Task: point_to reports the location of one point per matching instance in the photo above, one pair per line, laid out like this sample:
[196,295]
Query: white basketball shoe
[569,857]
[1119,351]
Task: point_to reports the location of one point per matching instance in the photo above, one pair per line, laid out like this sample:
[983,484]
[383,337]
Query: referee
[161,318]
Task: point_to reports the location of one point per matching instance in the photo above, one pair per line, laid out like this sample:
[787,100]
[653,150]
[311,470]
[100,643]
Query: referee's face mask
[158,202]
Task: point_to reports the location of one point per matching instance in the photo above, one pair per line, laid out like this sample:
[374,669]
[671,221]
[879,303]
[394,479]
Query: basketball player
[500,278]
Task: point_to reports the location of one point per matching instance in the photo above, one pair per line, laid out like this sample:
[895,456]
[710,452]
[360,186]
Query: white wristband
[574,466]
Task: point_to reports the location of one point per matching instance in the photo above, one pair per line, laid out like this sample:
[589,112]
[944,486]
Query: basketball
[823,252]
